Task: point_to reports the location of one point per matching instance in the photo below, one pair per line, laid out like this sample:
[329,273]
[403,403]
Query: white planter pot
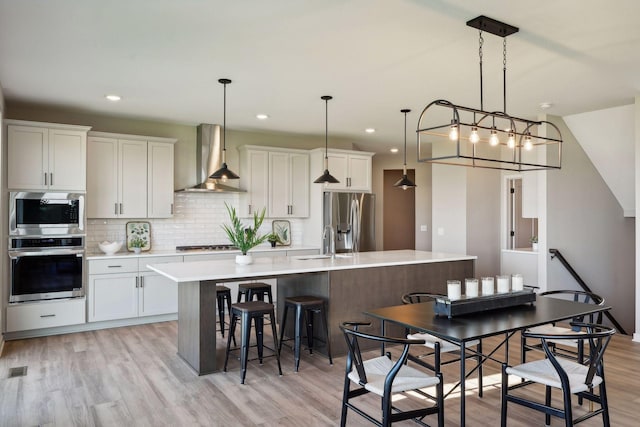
[244,259]
[137,250]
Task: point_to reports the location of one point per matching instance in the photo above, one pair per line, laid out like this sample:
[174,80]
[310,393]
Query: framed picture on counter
[282,229]
[138,236]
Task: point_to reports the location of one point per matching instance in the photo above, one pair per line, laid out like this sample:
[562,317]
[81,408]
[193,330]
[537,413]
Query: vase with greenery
[137,243]
[534,243]
[242,237]
[273,239]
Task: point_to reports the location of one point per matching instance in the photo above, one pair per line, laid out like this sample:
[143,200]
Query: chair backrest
[598,337]
[579,296]
[417,297]
[354,357]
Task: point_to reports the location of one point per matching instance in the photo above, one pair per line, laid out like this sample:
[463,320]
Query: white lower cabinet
[156,295]
[125,288]
[45,314]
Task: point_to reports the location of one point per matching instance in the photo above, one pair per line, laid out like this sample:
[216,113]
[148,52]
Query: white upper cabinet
[351,168]
[288,184]
[129,176]
[46,156]
[276,179]
[160,180]
[254,178]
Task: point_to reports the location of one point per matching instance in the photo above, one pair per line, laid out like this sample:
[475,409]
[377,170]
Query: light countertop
[278,266]
[123,253]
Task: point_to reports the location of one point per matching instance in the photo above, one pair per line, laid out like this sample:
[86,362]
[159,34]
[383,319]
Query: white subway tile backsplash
[197,220]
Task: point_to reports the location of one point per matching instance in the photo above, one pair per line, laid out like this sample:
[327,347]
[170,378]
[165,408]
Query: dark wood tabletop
[486,323]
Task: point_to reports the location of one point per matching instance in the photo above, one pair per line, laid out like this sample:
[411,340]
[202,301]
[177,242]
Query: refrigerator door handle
[355,224]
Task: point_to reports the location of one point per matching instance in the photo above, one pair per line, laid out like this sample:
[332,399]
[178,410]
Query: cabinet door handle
[114,266]
[142,281]
[120,208]
[51,178]
[47,315]
[137,286]
[171,208]
[45,179]
[115,208]
[249,209]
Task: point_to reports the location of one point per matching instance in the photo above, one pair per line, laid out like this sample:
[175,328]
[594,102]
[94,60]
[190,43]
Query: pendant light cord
[326,128]
[405,138]
[224,124]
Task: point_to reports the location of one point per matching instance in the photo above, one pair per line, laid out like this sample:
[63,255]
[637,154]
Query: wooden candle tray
[446,307]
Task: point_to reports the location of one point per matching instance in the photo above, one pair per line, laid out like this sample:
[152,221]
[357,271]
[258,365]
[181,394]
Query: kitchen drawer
[144,261]
[45,314]
[113,265]
[210,257]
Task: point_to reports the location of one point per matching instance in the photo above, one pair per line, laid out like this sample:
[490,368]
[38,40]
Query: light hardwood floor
[131,376]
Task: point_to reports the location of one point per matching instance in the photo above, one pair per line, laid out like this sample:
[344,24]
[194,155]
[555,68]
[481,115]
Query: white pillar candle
[454,289]
[471,288]
[517,282]
[487,286]
[503,284]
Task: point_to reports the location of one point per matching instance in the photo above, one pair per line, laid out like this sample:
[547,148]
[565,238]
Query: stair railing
[556,254]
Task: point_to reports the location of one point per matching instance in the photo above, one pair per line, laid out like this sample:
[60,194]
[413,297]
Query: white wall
[636,335]
[3,231]
[586,224]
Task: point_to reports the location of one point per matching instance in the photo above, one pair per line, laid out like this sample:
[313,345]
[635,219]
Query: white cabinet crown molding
[46,125]
[132,137]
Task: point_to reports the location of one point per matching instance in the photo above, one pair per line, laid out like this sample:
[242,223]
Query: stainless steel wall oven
[46,268]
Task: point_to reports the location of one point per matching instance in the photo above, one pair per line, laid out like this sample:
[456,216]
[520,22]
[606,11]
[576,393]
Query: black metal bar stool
[305,307]
[246,311]
[223,294]
[259,289]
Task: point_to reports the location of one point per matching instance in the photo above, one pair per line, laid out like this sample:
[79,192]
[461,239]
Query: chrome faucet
[330,246]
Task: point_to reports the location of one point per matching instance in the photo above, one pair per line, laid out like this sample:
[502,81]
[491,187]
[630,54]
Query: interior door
[399,212]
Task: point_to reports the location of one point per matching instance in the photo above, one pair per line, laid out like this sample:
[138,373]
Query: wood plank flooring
[131,376]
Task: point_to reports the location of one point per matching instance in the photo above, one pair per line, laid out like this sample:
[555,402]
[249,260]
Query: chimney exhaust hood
[208,160]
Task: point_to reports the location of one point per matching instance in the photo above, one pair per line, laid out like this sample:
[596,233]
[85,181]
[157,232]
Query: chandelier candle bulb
[454,289]
[487,286]
[471,288]
[517,282]
[503,284]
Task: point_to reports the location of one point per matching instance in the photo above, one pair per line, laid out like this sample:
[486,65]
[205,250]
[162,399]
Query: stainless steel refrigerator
[352,218]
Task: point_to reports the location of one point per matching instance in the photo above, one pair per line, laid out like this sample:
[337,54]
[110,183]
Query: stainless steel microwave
[38,214]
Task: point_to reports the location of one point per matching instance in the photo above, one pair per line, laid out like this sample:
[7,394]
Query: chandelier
[465,136]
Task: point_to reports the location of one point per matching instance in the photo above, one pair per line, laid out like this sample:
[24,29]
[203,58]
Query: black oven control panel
[46,242]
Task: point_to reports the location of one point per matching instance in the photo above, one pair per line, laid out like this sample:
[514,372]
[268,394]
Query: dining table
[461,329]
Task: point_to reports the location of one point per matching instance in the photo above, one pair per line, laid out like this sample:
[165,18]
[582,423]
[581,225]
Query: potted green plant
[137,243]
[273,239]
[244,238]
[534,243]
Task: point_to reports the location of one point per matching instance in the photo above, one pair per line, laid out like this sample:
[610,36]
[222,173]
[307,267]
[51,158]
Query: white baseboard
[636,337]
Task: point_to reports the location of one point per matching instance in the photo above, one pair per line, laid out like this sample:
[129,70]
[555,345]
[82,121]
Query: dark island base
[351,292]
[348,292]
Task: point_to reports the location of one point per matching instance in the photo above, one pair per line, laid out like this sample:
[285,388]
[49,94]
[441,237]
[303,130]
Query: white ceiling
[374,56]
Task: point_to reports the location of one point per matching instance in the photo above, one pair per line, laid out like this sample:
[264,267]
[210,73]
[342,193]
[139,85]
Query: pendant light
[326,177]
[224,173]
[405,182]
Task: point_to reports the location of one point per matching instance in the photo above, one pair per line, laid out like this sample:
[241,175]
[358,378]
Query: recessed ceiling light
[546,105]
[113,98]
[262,116]
[369,130]
[394,150]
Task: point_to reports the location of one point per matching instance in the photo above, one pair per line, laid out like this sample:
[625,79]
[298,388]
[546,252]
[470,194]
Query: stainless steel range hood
[208,160]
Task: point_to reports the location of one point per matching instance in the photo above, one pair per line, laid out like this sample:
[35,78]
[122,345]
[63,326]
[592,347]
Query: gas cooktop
[222,247]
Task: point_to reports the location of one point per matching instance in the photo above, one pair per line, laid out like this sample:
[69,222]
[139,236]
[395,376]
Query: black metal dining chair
[570,376]
[445,346]
[573,349]
[385,377]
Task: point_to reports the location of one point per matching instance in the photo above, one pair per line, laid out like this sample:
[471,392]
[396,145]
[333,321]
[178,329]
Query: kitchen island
[351,284]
